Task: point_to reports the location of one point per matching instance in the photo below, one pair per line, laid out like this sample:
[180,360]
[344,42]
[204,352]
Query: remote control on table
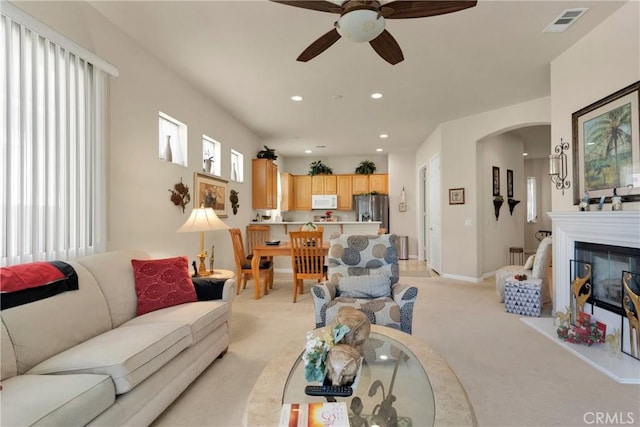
[328,390]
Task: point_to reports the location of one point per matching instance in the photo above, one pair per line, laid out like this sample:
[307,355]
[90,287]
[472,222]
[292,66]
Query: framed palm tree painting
[606,147]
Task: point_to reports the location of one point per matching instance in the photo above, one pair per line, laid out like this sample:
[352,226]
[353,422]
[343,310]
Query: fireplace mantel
[619,228]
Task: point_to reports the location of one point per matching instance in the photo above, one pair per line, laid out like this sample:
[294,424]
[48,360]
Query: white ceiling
[242,54]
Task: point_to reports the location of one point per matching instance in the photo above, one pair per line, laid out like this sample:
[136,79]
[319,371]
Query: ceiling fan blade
[403,9]
[322,6]
[387,47]
[320,45]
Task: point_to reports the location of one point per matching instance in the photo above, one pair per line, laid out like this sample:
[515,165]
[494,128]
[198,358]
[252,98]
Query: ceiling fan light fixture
[360,25]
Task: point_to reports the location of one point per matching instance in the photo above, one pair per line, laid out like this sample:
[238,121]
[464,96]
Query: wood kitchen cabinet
[265,184]
[324,184]
[345,199]
[288,192]
[302,191]
[379,183]
[360,184]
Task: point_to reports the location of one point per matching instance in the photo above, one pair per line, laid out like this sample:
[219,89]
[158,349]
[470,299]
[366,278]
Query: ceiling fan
[364,21]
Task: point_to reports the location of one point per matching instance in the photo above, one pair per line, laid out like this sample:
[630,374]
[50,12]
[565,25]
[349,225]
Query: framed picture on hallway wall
[496,181]
[456,196]
[606,147]
[212,193]
[509,183]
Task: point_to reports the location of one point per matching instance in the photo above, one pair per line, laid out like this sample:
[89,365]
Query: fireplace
[620,229]
[607,264]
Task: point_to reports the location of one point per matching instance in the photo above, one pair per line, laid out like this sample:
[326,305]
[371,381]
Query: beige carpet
[513,375]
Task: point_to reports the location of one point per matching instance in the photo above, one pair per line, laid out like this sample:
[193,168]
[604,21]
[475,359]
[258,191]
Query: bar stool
[516,254]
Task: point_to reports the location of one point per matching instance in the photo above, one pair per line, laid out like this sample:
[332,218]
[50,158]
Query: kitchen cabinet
[288,192]
[324,184]
[302,191]
[265,184]
[345,199]
[360,184]
[379,183]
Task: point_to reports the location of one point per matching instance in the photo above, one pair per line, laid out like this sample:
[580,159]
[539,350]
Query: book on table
[317,414]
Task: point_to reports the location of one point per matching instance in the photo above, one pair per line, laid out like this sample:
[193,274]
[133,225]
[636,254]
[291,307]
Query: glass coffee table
[401,379]
[392,387]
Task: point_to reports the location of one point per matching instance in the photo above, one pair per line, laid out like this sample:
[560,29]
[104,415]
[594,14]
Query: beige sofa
[83,357]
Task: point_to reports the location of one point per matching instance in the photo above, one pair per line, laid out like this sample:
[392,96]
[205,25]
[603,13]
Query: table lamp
[203,219]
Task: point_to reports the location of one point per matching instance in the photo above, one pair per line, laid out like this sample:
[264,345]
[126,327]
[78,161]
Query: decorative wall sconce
[403,201]
[558,166]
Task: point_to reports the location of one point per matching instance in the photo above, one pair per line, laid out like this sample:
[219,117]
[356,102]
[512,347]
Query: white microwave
[329,201]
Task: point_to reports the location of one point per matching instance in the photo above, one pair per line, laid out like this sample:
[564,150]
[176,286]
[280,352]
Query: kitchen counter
[352,227]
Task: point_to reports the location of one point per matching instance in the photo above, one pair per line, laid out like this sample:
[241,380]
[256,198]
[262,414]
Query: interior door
[433,185]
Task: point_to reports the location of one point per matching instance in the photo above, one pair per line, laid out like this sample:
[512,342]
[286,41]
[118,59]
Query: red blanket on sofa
[25,283]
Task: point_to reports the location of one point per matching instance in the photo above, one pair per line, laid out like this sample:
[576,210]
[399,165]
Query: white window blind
[52,153]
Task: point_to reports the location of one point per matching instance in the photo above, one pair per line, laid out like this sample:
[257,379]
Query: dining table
[271,250]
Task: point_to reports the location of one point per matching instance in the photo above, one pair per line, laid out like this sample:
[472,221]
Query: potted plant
[366,167]
[319,168]
[497,204]
[267,153]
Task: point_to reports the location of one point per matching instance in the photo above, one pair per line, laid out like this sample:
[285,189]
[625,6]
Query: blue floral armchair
[363,273]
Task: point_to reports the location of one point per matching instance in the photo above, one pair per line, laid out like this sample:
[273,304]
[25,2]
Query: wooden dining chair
[256,235]
[243,264]
[307,258]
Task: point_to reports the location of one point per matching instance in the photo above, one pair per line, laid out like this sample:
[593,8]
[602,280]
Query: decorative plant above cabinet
[366,167]
[267,153]
[319,168]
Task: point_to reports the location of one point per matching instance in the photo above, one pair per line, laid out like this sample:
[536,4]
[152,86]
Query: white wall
[401,174]
[339,164]
[498,235]
[604,61]
[457,142]
[140,212]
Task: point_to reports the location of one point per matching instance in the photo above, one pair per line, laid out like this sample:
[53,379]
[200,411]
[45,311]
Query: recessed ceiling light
[296,98]
[525,154]
[307,151]
[376,95]
[384,135]
[378,149]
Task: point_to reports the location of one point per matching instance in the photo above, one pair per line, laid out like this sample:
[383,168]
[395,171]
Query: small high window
[172,141]
[210,155]
[237,170]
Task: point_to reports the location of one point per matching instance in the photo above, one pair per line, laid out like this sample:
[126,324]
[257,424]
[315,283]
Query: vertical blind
[52,154]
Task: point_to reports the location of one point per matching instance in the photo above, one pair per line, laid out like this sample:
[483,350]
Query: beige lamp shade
[202,219]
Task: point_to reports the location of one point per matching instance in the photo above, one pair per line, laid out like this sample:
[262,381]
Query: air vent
[565,20]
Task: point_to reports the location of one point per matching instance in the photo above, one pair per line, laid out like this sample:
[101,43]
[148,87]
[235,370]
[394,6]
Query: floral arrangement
[584,332]
[328,214]
[316,349]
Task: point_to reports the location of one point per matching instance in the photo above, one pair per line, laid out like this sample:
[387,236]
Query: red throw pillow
[162,283]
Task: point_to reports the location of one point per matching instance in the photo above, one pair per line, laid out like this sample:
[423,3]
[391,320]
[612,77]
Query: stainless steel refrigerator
[372,208]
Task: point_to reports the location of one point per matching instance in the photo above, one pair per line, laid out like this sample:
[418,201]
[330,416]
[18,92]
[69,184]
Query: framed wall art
[212,193]
[606,149]
[496,181]
[509,183]
[456,196]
